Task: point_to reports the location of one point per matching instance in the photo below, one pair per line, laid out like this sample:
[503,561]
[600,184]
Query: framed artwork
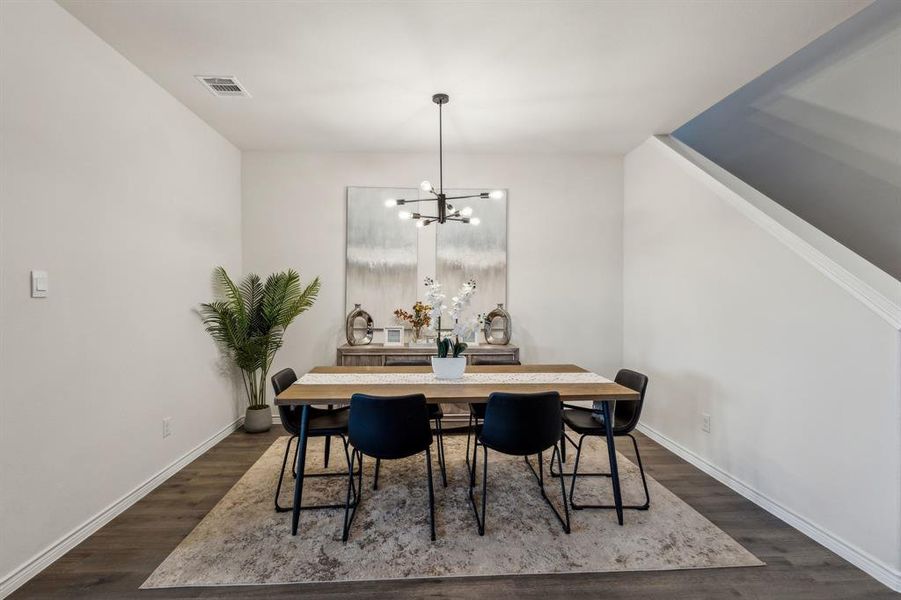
[394,336]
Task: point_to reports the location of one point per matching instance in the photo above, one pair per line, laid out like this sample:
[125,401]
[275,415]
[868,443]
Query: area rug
[243,541]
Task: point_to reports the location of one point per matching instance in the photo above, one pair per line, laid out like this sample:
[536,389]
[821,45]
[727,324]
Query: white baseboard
[17,578]
[854,555]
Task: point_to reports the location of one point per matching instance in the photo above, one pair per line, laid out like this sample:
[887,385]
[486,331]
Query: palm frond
[252,294]
[232,296]
[303,302]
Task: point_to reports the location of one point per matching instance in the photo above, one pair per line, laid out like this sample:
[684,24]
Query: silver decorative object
[351,327]
[498,328]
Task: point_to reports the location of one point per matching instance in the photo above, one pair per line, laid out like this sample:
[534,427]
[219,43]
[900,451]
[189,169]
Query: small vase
[351,326]
[257,420]
[449,368]
[494,334]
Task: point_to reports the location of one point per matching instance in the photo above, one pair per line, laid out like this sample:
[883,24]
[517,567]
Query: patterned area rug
[243,541]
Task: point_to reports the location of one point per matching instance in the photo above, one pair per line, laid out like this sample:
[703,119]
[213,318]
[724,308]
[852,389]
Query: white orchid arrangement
[459,303]
[435,298]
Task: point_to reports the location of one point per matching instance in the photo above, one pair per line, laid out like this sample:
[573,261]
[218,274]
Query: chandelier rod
[440,152]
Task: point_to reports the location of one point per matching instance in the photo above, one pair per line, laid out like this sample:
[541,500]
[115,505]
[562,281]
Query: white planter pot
[448,368]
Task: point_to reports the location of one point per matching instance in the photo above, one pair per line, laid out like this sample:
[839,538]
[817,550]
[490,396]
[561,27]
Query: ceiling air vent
[223,86]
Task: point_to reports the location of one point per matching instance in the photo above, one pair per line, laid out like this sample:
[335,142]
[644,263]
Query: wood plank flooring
[113,562]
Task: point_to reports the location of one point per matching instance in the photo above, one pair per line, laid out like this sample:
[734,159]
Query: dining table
[324,386]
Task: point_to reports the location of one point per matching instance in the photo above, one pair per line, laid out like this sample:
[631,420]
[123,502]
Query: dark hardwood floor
[117,559]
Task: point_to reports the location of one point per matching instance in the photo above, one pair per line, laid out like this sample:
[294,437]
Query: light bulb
[420,223]
[390,202]
[496,194]
[426,186]
[466,212]
[404,215]
[475,221]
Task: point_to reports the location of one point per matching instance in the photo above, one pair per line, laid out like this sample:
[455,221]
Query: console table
[374,355]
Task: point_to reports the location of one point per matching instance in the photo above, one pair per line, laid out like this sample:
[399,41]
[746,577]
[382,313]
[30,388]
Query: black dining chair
[582,421]
[519,425]
[477,409]
[323,423]
[435,414]
[386,428]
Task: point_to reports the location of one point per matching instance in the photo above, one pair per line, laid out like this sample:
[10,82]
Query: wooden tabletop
[452,393]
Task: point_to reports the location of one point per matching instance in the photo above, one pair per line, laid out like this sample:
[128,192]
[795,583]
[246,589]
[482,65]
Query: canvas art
[387,257]
[381,254]
[466,252]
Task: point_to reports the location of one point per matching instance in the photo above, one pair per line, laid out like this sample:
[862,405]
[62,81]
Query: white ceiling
[523,76]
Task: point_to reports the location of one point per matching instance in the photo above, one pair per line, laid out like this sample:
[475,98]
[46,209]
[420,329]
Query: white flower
[458,304]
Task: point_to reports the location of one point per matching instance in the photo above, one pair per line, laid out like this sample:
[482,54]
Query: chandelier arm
[464,197]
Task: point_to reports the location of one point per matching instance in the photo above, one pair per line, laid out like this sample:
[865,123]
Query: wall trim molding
[873,567]
[43,559]
[863,291]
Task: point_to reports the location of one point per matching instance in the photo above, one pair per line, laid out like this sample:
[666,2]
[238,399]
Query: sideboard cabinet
[374,355]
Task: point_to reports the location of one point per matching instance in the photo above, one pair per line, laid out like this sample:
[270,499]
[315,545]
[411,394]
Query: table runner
[429,378]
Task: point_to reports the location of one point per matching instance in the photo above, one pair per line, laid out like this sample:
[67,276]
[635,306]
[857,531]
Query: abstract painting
[478,252]
[381,254]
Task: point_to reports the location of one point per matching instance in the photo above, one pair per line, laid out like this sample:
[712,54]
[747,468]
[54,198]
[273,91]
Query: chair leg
[575,474]
[644,481]
[350,509]
[562,446]
[375,478]
[469,432]
[471,465]
[441,463]
[328,446]
[279,508]
[281,475]
[480,522]
[539,476]
[428,464]
[566,438]
[559,452]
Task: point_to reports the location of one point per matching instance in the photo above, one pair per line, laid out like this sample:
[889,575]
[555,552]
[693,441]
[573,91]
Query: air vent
[223,86]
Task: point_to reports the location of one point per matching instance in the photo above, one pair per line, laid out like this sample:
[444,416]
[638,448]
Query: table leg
[301,462]
[611,455]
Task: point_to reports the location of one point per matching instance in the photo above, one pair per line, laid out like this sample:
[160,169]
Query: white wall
[802,380]
[564,242]
[128,200]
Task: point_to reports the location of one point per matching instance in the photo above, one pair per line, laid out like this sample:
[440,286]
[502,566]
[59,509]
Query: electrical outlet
[705,422]
[167,427]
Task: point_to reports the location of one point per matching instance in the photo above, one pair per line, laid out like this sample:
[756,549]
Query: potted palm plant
[249,323]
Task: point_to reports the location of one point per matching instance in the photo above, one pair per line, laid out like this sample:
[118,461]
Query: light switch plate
[39,284]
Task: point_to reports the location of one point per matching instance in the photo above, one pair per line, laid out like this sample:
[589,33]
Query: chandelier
[444,209]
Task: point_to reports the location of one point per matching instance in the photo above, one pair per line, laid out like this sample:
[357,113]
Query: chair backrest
[407,361]
[494,360]
[522,424]
[389,427]
[626,414]
[290,415]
